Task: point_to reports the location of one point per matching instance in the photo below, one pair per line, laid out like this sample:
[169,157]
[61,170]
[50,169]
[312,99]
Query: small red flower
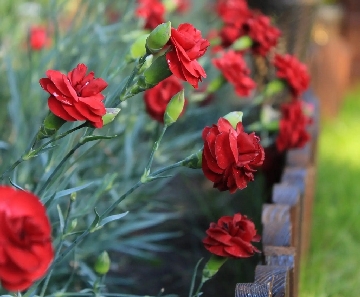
[230,155]
[187,45]
[229,33]
[157,98]
[232,237]
[234,12]
[75,96]
[38,38]
[295,73]
[25,239]
[292,130]
[152,11]
[234,69]
[264,35]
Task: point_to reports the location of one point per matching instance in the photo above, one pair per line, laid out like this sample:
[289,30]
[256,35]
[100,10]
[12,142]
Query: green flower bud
[234,118]
[102,264]
[274,87]
[174,108]
[216,84]
[157,72]
[138,48]
[51,124]
[158,38]
[242,43]
[110,115]
[212,267]
[194,161]
[170,5]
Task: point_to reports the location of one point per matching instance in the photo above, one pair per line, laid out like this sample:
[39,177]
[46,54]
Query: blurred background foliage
[161,235]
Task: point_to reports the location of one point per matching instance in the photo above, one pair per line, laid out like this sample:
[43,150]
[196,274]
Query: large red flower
[76,96]
[232,237]
[25,239]
[234,69]
[230,155]
[292,130]
[157,98]
[186,45]
[295,73]
[152,11]
[264,35]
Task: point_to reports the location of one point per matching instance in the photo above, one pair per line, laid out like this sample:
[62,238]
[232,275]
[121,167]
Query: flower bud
[158,38]
[138,48]
[234,118]
[110,115]
[242,43]
[212,267]
[102,264]
[174,108]
[158,71]
[274,87]
[194,161]
[215,84]
[51,124]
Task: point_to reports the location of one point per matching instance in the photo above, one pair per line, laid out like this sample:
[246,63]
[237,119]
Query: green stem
[11,168]
[123,93]
[155,148]
[48,276]
[57,168]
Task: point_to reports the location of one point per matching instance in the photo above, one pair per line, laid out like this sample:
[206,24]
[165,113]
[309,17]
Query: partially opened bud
[110,115]
[51,124]
[138,48]
[174,108]
[274,87]
[194,161]
[242,43]
[158,71]
[102,264]
[234,118]
[158,38]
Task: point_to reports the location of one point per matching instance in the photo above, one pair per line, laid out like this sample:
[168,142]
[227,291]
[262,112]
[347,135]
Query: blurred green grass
[333,265]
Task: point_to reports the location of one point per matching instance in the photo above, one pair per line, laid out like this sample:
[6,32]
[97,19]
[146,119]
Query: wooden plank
[277,276]
[300,157]
[284,256]
[276,225]
[253,290]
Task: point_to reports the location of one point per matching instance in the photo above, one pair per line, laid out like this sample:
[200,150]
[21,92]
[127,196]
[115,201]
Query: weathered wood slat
[276,276]
[253,290]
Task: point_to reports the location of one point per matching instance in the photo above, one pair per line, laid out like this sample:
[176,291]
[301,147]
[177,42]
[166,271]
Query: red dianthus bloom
[157,98]
[232,237]
[25,239]
[38,38]
[234,69]
[152,11]
[295,73]
[186,45]
[230,155]
[264,35]
[292,130]
[75,96]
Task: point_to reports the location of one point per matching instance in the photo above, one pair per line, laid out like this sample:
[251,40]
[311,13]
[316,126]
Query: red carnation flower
[152,11]
[230,155]
[264,35]
[157,98]
[38,38]
[292,130]
[229,33]
[25,239]
[76,96]
[234,69]
[234,12]
[295,73]
[186,45]
[232,237]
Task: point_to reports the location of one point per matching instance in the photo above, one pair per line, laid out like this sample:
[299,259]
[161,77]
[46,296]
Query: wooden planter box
[286,225]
